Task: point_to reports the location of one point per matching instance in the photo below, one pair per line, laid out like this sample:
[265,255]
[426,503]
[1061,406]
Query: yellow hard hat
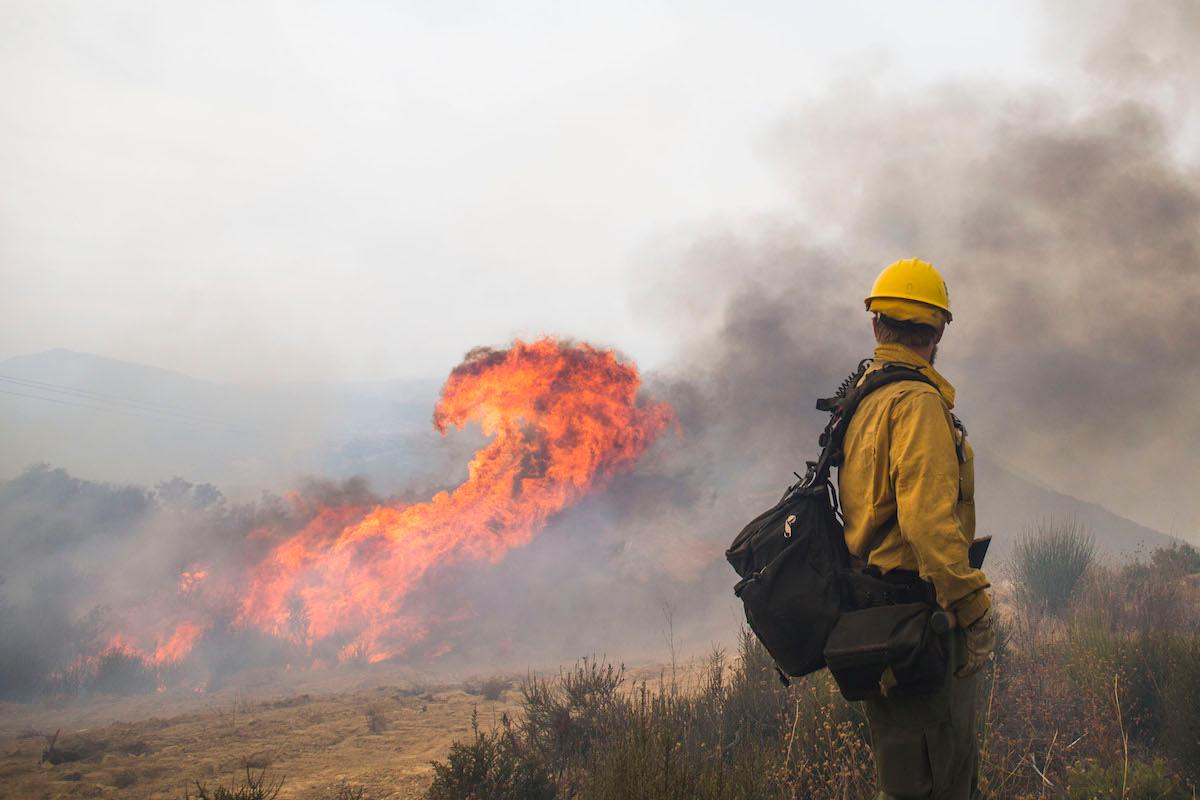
[913,291]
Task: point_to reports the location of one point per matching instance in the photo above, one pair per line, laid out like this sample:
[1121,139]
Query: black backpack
[789,556]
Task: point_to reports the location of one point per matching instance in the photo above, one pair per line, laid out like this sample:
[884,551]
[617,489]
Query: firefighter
[907,490]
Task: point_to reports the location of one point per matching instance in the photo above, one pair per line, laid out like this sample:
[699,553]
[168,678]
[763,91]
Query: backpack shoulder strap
[844,405]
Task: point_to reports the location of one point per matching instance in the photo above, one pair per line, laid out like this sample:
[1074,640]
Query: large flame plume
[562,420]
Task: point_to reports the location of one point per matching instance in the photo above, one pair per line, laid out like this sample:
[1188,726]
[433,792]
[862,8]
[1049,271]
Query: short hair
[913,334]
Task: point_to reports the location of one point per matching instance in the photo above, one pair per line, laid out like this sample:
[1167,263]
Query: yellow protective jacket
[905,491]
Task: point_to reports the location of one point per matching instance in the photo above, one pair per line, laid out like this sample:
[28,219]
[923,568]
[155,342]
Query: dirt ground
[371,729]
[377,728]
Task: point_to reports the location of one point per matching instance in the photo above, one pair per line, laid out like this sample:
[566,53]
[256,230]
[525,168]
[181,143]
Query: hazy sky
[263,190]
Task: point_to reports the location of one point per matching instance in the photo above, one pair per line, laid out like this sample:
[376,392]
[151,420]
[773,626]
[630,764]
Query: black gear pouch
[887,651]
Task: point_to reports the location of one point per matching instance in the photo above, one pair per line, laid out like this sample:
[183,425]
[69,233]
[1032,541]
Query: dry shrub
[291,702]
[79,747]
[135,747]
[496,765]
[345,791]
[1112,678]
[1181,703]
[828,752]
[561,718]
[124,778]
[1115,679]
[493,688]
[376,719]
[259,760]
[1137,780]
[253,787]
[735,733]
[118,672]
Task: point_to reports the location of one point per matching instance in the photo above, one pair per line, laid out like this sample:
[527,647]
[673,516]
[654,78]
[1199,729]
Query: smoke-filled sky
[263,190]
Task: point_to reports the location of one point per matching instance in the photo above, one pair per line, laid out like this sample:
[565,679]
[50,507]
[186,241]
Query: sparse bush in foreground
[1136,781]
[738,734]
[345,791]
[1048,563]
[1181,703]
[494,766]
[252,787]
[563,717]
[1101,702]
[667,742]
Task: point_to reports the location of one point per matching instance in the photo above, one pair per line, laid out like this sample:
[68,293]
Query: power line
[91,394]
[140,408]
[68,403]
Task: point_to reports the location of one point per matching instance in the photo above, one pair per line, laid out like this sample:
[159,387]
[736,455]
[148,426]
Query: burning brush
[562,419]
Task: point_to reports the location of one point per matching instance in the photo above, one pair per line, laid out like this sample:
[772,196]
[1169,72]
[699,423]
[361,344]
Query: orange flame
[563,420]
[190,580]
[179,644]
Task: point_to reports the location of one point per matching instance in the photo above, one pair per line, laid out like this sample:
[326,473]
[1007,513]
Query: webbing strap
[843,411]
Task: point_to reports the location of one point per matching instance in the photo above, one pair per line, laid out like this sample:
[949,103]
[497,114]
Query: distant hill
[1007,504]
[111,420]
[117,421]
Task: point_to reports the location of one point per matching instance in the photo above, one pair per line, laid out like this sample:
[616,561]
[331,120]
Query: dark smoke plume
[1067,222]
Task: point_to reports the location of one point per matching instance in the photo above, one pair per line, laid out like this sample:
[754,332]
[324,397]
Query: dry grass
[321,746]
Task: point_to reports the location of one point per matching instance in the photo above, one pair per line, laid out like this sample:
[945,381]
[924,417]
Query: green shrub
[717,740]
[1135,624]
[1181,704]
[1143,596]
[756,701]
[561,718]
[493,766]
[1175,561]
[1142,781]
[665,747]
[1140,663]
[1048,563]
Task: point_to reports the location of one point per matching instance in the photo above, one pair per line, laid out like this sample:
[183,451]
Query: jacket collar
[892,353]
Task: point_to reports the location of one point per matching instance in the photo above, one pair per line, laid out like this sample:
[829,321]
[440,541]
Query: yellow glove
[980,642]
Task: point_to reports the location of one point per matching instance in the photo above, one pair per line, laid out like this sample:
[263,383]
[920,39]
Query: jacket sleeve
[925,472]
